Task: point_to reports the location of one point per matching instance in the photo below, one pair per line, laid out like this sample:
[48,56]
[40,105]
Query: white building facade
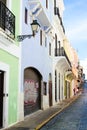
[43,59]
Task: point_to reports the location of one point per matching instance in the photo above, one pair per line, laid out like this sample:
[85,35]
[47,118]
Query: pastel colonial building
[71,75]
[9,63]
[43,58]
[36,73]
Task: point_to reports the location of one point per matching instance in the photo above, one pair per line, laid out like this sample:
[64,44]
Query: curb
[46,121]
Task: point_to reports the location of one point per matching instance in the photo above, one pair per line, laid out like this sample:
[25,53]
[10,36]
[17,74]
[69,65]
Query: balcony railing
[7,20]
[56,12]
[61,52]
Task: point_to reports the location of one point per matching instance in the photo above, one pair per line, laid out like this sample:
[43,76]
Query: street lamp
[35,28]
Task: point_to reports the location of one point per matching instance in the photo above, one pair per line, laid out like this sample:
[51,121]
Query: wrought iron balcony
[56,12]
[7,20]
[61,52]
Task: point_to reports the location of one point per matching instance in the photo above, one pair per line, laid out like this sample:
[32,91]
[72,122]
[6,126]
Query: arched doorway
[32,90]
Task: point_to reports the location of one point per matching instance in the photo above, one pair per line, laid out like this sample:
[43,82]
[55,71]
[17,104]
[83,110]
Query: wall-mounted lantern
[35,28]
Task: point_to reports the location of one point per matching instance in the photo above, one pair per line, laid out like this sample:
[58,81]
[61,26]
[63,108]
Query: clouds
[78,32]
[72,4]
[75,4]
[75,23]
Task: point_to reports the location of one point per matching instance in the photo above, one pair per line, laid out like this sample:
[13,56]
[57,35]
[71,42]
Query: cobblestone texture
[35,120]
[72,118]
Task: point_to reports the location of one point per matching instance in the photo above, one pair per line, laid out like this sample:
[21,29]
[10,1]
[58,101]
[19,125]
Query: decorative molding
[5,39]
[5,67]
[7,44]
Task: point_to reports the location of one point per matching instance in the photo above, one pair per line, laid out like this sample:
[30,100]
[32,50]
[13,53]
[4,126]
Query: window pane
[26,12]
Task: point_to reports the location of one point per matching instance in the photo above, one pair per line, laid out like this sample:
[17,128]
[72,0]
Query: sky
[75,23]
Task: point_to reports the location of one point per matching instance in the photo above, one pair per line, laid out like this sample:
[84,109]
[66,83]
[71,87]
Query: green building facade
[9,62]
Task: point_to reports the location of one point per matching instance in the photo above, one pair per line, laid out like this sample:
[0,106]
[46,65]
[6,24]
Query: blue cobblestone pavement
[72,118]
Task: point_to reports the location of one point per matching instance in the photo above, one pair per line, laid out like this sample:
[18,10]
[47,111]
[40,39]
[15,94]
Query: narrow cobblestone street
[43,65]
[41,117]
[72,118]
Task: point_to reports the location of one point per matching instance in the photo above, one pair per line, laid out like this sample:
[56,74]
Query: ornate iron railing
[56,12]
[61,52]
[7,20]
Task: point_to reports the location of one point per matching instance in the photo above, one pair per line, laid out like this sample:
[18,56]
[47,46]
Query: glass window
[26,15]
[44,88]
[45,41]
[50,49]
[47,4]
[40,37]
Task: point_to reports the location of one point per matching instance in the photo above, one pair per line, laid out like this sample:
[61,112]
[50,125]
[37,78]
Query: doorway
[32,90]
[50,89]
[50,93]
[59,87]
[1,97]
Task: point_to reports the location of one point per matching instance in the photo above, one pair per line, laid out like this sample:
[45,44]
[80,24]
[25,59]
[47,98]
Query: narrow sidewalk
[36,120]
